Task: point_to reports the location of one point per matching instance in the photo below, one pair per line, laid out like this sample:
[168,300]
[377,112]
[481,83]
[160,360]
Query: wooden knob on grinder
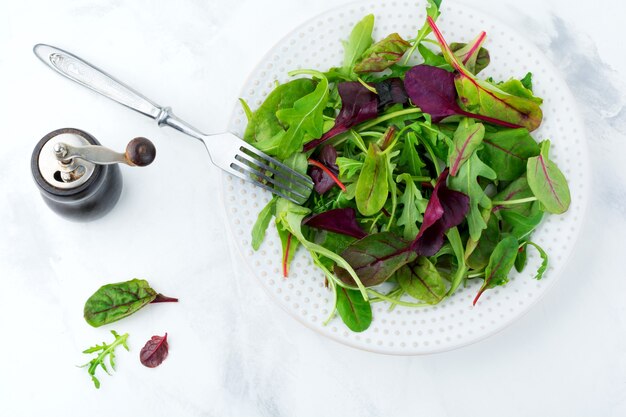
[140,152]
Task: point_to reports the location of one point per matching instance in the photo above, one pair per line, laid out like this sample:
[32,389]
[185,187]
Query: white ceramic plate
[454,322]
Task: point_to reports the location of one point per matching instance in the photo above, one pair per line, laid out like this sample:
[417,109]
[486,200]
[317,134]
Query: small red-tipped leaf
[154,352]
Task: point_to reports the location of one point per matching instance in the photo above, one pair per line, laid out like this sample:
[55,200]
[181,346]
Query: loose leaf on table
[359,41]
[263,124]
[372,187]
[507,152]
[355,312]
[467,137]
[547,182]
[304,118]
[500,264]
[480,97]
[262,222]
[382,54]
[154,351]
[323,176]
[467,182]
[432,10]
[421,280]
[340,220]
[375,258]
[446,209]
[113,302]
[472,55]
[413,207]
[104,350]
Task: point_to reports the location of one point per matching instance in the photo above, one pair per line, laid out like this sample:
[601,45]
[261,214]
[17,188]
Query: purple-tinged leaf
[154,352]
[341,220]
[382,54]
[446,209]
[375,258]
[473,55]
[390,91]
[432,89]
[322,179]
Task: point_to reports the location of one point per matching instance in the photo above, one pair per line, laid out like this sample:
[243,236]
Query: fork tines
[272,175]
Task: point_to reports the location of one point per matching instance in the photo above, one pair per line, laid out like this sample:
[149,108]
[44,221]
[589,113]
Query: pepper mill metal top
[78,177]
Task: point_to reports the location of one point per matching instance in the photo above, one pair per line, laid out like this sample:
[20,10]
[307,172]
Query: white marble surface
[232,351]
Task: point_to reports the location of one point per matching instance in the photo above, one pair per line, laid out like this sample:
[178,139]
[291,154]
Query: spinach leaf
[261,224]
[359,41]
[507,152]
[500,263]
[154,351]
[382,54]
[348,167]
[521,225]
[467,137]
[263,124]
[547,182]
[104,350]
[372,187]
[375,258]
[353,309]
[467,182]
[305,117]
[421,280]
[113,302]
[413,207]
[483,98]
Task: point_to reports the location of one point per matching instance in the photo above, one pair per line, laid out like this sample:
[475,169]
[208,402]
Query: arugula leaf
[305,117]
[359,41]
[113,302]
[481,250]
[421,280]
[500,263]
[104,350]
[261,224]
[409,157]
[547,182]
[527,81]
[432,11]
[372,187]
[413,207]
[467,138]
[483,98]
[507,152]
[432,59]
[263,125]
[355,312]
[544,260]
[382,54]
[348,167]
[454,237]
[467,182]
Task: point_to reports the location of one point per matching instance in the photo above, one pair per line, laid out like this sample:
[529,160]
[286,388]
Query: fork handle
[87,75]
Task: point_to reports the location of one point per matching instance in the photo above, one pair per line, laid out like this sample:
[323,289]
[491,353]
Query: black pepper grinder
[79,178]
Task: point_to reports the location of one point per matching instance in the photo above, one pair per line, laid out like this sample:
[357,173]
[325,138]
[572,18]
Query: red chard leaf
[446,209]
[390,91]
[325,176]
[341,220]
[154,352]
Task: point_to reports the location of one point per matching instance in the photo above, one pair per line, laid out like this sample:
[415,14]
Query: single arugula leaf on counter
[372,187]
[262,222]
[467,183]
[113,302]
[421,280]
[500,263]
[481,97]
[507,152]
[355,312]
[359,41]
[104,350]
[263,123]
[382,54]
[154,351]
[467,138]
[304,118]
[547,182]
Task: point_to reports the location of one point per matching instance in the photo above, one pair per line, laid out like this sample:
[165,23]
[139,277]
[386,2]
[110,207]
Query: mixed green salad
[426,175]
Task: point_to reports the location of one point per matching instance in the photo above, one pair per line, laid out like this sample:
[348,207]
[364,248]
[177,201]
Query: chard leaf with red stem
[382,54]
[324,172]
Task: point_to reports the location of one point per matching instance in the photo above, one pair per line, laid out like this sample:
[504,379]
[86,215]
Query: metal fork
[226,150]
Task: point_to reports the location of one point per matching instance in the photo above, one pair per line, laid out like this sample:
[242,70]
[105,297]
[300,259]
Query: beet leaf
[547,182]
[340,220]
[355,312]
[324,173]
[421,280]
[154,351]
[500,263]
[382,54]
